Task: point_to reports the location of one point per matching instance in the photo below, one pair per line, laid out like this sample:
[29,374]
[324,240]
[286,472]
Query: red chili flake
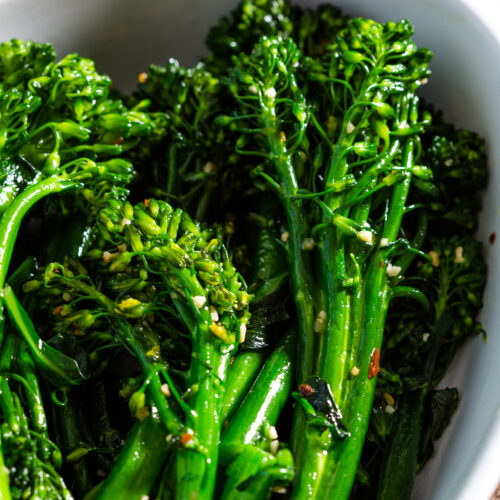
[493,237]
[305,390]
[185,438]
[374,363]
[380,148]
[57,310]
[147,202]
[118,141]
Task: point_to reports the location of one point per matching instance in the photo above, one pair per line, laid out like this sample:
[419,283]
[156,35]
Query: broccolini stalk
[256,473]
[250,442]
[139,462]
[370,76]
[382,68]
[453,281]
[34,400]
[4,475]
[274,115]
[71,434]
[240,376]
[253,423]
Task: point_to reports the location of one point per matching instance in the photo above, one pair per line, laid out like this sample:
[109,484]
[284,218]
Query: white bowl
[125,36]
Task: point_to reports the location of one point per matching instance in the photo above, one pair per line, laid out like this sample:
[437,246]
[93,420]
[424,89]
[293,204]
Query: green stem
[302,288]
[72,433]
[4,476]
[11,219]
[7,404]
[34,400]
[252,475]
[263,404]
[172,187]
[312,451]
[169,418]
[56,367]
[309,445]
[298,264]
[405,260]
[342,461]
[197,468]
[240,377]
[139,463]
[3,321]
[411,293]
[260,485]
[33,396]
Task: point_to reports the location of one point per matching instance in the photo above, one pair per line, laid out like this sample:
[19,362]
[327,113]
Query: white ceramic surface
[124,36]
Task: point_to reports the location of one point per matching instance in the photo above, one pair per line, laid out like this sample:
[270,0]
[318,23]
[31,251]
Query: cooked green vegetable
[60,132]
[373,70]
[134,360]
[166,272]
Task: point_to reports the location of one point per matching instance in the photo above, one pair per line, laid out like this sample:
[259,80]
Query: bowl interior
[125,36]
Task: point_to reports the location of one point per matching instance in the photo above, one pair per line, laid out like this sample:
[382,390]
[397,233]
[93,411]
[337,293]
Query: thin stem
[139,463]
[11,219]
[151,372]
[240,377]
[263,404]
[57,367]
[197,469]
[4,476]
[343,459]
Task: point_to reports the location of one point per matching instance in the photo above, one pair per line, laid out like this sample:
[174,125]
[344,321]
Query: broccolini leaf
[444,403]
[323,411]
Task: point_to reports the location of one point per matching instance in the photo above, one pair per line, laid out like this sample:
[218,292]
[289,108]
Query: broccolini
[134,359]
